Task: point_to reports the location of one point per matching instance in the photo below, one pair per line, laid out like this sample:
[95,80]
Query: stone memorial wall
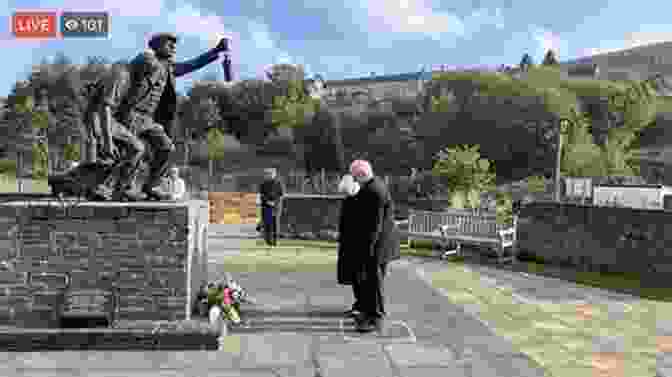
[606,239]
[130,261]
[310,217]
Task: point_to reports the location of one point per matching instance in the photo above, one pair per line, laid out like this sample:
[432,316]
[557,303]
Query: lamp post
[563,124]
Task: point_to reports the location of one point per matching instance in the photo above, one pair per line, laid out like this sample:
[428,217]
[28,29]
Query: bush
[504,208]
[8,167]
[71,152]
[536,184]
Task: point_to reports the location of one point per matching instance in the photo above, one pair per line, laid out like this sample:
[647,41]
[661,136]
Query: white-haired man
[379,242]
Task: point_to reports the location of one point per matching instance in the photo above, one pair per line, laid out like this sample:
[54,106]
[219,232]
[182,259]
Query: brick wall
[598,238]
[153,254]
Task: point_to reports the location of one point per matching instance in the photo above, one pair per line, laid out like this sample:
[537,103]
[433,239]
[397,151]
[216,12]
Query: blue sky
[350,38]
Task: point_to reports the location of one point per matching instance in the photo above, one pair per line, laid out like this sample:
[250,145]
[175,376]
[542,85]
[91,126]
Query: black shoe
[352,313]
[367,325]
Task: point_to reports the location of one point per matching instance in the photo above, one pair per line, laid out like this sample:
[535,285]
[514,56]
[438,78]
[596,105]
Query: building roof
[402,77]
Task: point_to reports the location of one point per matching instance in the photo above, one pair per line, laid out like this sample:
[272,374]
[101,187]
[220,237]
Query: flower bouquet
[223,299]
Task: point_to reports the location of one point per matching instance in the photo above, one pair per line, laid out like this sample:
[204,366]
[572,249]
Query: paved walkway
[296,329]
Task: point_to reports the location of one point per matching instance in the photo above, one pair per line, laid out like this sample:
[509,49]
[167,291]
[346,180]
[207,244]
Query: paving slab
[392,332]
[449,371]
[664,365]
[417,355]
[295,371]
[111,360]
[276,349]
[353,360]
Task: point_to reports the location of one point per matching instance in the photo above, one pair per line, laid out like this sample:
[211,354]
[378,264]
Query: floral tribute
[225,297]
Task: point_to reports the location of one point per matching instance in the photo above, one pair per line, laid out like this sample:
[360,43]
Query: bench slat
[471,226]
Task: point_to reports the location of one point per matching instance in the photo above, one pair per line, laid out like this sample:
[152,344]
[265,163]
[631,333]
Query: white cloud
[408,16]
[419,18]
[547,40]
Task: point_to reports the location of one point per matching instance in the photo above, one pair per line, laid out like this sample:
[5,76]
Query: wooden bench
[464,227]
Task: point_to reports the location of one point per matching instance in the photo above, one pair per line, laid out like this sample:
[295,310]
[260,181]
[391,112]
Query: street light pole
[562,129]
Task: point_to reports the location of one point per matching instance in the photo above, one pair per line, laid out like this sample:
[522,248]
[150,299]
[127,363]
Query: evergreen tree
[550,58]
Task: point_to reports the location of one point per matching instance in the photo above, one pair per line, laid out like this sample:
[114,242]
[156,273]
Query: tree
[246,107]
[23,128]
[526,62]
[285,72]
[216,147]
[467,175]
[322,142]
[550,59]
[199,112]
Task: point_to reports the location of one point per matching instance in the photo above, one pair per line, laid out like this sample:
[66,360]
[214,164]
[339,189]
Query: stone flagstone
[416,355]
[274,349]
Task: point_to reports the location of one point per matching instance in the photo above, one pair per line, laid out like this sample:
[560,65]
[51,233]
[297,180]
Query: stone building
[376,87]
[636,63]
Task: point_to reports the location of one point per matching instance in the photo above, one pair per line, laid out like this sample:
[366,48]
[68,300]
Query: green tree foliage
[71,152]
[504,208]
[536,184]
[441,104]
[322,142]
[216,148]
[199,112]
[526,61]
[40,168]
[467,174]
[24,127]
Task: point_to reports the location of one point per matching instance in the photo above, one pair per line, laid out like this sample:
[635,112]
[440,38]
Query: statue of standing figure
[126,118]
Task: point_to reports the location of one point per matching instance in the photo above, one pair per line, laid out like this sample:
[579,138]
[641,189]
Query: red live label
[34,24]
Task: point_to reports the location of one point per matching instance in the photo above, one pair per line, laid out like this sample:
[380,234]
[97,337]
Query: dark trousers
[370,290]
[270,225]
[161,146]
[357,294]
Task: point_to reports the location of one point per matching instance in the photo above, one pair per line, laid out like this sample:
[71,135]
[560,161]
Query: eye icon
[71,25]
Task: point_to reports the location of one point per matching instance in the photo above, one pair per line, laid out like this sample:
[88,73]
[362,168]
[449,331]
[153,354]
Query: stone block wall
[598,238]
[310,216]
[141,260]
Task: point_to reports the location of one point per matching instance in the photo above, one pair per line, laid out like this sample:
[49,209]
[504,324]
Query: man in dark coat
[347,245]
[379,244]
[271,192]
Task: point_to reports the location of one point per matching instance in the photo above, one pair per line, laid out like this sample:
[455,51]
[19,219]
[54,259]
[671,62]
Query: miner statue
[127,117]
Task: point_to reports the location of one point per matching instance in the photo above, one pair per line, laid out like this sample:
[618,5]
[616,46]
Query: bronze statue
[127,116]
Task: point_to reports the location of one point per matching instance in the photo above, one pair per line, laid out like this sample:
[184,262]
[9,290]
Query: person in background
[347,241]
[271,192]
[379,244]
[174,185]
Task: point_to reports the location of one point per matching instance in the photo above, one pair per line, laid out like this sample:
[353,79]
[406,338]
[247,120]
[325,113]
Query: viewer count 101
[53,24]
